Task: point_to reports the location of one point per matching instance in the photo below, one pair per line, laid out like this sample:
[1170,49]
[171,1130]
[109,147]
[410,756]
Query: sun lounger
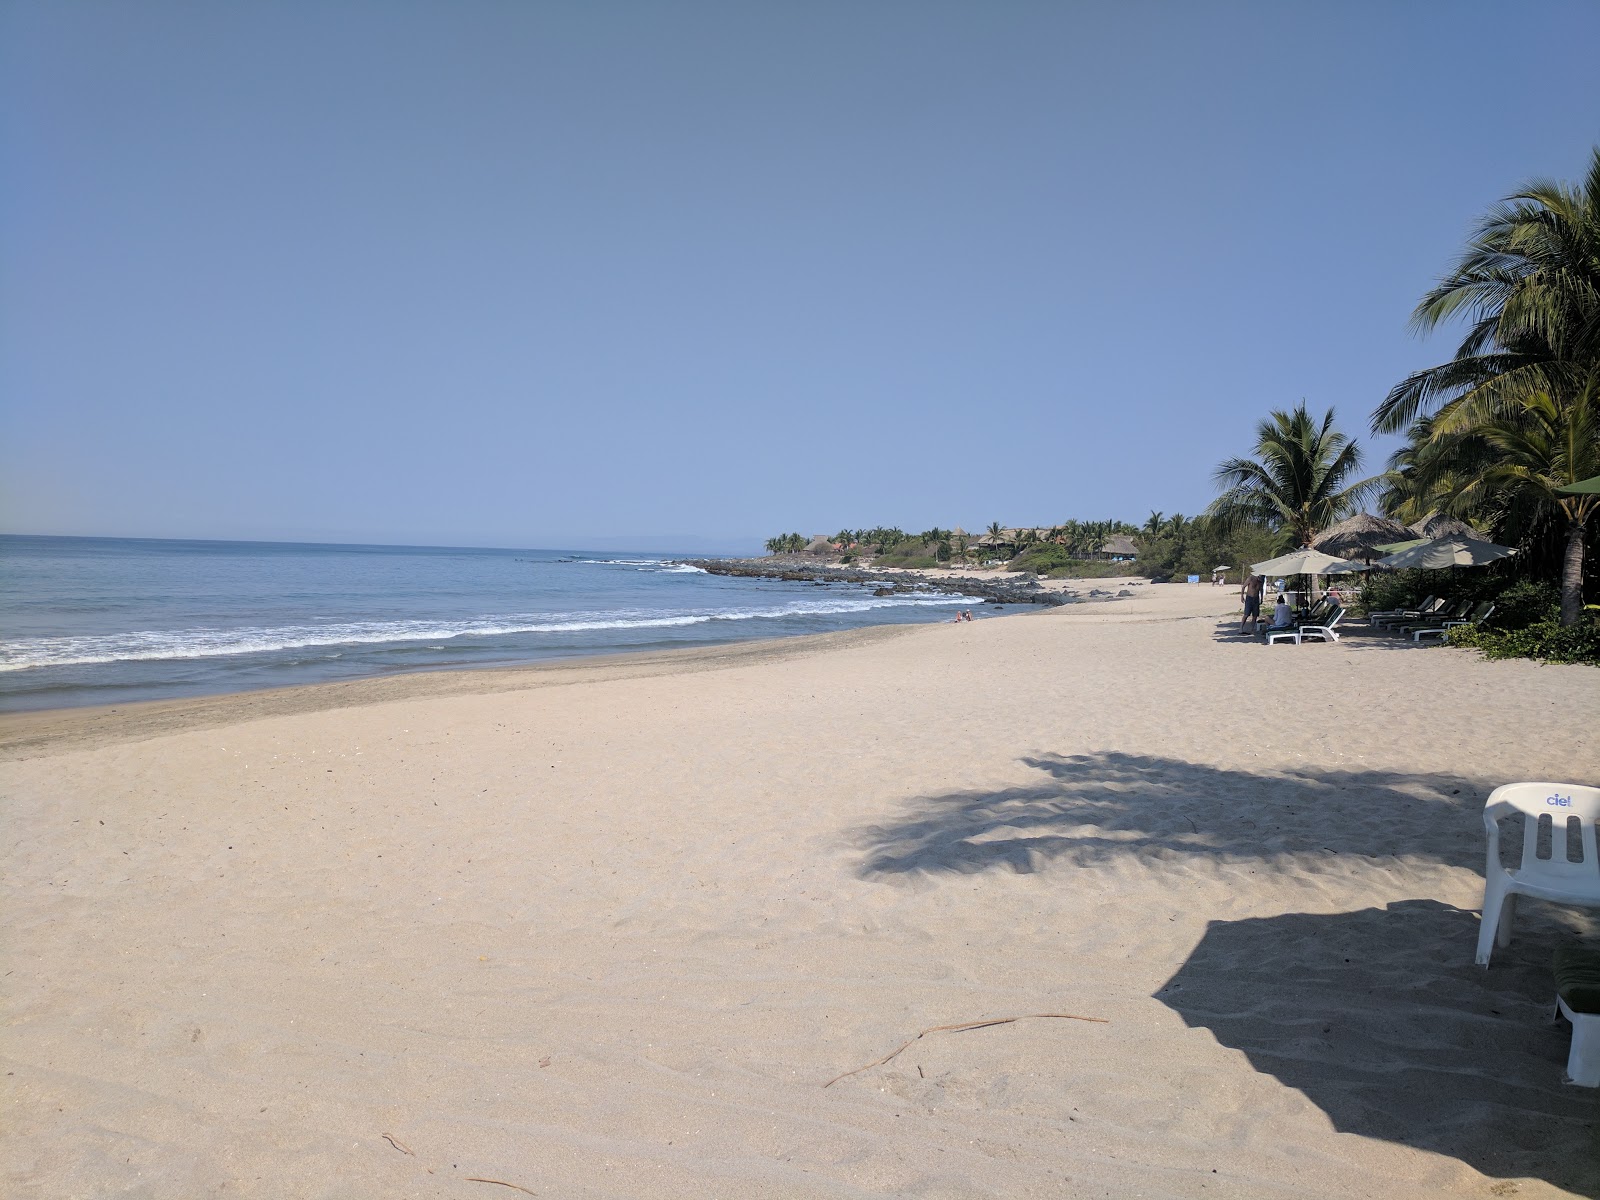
[1323,631]
[1384,614]
[1429,606]
[1315,614]
[1453,612]
[1480,614]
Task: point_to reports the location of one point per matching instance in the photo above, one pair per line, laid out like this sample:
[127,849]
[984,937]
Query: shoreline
[80,727]
[92,724]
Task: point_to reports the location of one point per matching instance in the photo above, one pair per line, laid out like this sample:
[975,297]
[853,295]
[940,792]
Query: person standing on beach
[1251,592]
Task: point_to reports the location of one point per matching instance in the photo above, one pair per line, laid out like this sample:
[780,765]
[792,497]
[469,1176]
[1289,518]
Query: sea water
[109,620]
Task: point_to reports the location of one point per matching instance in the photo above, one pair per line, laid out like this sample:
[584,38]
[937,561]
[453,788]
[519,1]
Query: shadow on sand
[1381,1020]
[1378,1016]
[1354,634]
[1095,807]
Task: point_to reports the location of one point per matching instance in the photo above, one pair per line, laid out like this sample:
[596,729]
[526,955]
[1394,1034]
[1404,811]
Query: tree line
[1495,433]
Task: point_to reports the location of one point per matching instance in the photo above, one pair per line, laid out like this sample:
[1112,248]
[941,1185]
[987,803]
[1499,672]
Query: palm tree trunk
[1572,577]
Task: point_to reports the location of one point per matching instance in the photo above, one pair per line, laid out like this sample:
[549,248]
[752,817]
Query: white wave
[677,569]
[149,645]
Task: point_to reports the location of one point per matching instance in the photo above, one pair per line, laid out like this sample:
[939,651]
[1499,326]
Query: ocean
[111,620]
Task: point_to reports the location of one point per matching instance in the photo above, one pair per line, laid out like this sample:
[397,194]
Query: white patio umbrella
[1446,552]
[1304,561]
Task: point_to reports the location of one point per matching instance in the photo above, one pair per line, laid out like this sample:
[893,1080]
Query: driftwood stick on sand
[962,1027]
[400,1146]
[501,1182]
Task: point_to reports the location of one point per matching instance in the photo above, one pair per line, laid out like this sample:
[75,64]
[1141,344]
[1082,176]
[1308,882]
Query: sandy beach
[607,928]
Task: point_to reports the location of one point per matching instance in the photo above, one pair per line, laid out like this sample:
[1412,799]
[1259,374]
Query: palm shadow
[1092,808]
[1379,1019]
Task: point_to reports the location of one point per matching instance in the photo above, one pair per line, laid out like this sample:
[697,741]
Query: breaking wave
[146,645]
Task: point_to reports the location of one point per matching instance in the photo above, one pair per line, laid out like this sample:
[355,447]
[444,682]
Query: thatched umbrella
[1437,525]
[1360,537]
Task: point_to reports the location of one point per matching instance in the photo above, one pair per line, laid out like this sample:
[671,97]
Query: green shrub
[1544,640]
[1388,590]
[910,562]
[1055,562]
[1524,604]
[1042,559]
[1083,569]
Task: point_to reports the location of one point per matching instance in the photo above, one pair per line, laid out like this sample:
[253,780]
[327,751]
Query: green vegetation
[909,560]
[1515,414]
[1493,435]
[786,543]
[1300,481]
[1548,640]
[1185,547]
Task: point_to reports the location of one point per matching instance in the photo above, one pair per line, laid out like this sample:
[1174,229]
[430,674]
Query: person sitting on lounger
[1282,614]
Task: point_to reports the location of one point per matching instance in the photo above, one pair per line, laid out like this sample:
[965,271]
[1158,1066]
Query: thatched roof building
[1119,546]
[1360,536]
[1437,525]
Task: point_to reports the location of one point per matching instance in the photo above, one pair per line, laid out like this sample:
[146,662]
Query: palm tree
[1519,459]
[1298,483]
[1530,284]
[1153,523]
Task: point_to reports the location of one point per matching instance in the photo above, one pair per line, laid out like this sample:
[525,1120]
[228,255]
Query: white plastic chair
[1583,1055]
[1559,877]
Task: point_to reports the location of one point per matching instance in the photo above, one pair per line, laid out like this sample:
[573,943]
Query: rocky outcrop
[991,591]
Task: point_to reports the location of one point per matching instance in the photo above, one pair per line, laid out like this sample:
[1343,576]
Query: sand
[606,929]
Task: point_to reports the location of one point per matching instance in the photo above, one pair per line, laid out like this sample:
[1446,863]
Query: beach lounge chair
[1578,1000]
[1323,631]
[1450,612]
[1384,614]
[1557,876]
[1400,616]
[1316,614]
[1480,614]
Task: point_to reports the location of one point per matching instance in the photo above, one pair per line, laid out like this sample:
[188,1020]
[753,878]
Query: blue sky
[540,274]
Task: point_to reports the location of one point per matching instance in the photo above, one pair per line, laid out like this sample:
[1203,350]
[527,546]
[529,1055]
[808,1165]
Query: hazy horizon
[653,545]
